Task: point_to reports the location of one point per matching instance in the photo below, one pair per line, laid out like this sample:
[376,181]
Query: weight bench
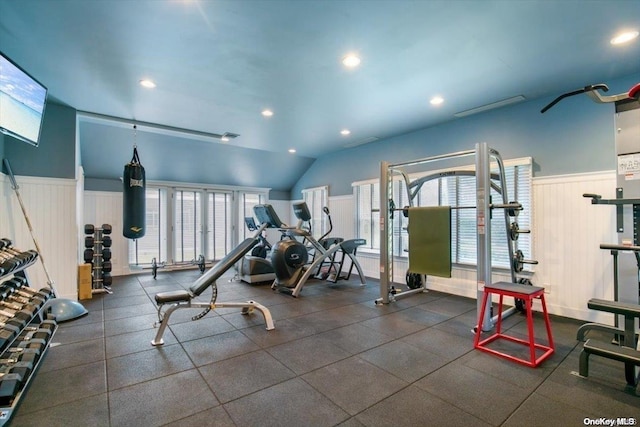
[627,351]
[184,299]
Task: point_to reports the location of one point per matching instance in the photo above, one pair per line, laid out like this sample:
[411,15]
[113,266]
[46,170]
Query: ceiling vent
[493,105]
[361,142]
[230,135]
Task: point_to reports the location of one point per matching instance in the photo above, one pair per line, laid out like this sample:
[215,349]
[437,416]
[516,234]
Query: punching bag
[133,200]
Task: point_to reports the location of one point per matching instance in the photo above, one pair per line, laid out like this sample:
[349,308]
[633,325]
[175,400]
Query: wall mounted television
[22,102]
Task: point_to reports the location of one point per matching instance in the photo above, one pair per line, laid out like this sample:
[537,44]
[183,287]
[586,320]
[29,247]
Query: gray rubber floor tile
[146,365]
[307,354]
[233,378]
[74,354]
[218,347]
[292,403]
[214,417]
[205,327]
[49,389]
[91,411]
[470,390]
[348,384]
[413,407]
[160,401]
[403,360]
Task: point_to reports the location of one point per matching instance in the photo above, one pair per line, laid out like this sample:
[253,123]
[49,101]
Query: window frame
[234,227]
[524,242]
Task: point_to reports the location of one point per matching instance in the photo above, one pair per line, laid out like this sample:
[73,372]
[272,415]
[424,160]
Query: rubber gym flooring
[334,359]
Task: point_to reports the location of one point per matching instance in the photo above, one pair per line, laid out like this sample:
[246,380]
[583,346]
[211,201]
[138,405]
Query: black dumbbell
[106,241]
[107,279]
[88,255]
[106,266]
[6,336]
[21,368]
[90,229]
[106,254]
[10,384]
[24,354]
[89,241]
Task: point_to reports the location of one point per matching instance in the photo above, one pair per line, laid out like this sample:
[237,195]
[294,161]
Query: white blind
[316,200]
[453,191]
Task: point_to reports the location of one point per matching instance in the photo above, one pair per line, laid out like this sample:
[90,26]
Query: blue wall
[577,135]
[55,155]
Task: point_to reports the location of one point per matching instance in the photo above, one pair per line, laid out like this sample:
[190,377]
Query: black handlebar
[601,86]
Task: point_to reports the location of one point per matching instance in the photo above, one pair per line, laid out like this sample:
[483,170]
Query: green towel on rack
[430,240]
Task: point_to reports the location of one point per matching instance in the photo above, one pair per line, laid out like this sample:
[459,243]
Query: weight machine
[485,181]
[624,345]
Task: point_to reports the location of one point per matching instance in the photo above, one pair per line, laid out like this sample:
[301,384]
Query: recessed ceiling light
[627,36]
[351,61]
[436,100]
[224,139]
[292,150]
[267,113]
[345,132]
[147,83]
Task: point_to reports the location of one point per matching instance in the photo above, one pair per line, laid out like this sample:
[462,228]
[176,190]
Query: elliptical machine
[294,262]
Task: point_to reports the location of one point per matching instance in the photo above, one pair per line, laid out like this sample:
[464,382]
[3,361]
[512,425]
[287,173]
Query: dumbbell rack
[98,254]
[26,329]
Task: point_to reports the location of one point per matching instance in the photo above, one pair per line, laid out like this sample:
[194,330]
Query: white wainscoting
[105,207]
[566,231]
[51,206]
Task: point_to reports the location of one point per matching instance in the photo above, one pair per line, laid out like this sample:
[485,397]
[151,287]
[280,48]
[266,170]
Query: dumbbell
[90,229]
[106,266]
[107,279]
[22,285]
[106,254]
[106,241]
[515,231]
[14,297]
[518,261]
[18,284]
[23,354]
[10,384]
[89,241]
[6,246]
[13,322]
[22,303]
[22,315]
[21,368]
[88,255]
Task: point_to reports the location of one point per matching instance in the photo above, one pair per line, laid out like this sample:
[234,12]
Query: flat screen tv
[22,102]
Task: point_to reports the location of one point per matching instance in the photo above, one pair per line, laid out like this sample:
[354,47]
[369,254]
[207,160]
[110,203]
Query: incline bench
[184,298]
[627,352]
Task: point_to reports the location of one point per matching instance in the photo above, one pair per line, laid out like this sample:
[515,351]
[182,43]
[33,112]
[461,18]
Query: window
[316,200]
[187,225]
[218,225]
[367,214]
[249,200]
[451,191]
[184,223]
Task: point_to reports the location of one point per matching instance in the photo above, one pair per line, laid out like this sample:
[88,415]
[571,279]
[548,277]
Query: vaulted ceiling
[218,64]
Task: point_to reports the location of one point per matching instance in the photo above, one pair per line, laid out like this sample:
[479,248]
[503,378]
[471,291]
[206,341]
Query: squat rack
[483,155]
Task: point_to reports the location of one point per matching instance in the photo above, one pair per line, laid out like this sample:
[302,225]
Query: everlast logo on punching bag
[134,198]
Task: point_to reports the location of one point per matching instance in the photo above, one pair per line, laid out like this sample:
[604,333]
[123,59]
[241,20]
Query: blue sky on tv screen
[19,86]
